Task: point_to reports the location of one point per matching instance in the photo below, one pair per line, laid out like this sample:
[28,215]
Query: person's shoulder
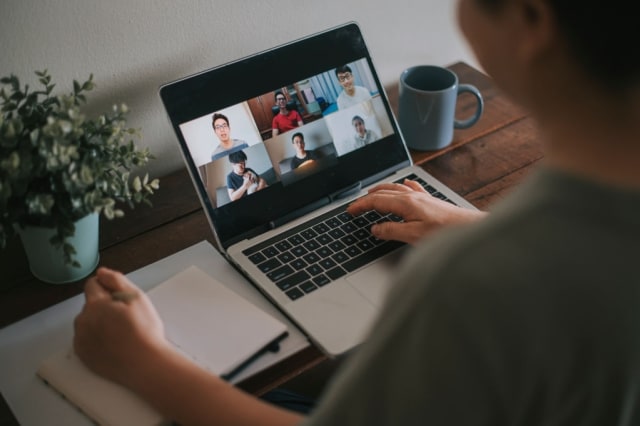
[363,90]
[223,153]
[473,259]
[218,153]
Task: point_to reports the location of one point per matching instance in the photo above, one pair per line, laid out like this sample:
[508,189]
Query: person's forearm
[238,193]
[185,393]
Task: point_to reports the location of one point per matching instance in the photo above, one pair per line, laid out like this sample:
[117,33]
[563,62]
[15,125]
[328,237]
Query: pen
[124,296]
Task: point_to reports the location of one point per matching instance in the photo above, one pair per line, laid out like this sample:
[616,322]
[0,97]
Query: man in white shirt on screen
[352,94]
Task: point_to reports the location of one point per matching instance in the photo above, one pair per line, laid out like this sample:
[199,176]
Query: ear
[538,29]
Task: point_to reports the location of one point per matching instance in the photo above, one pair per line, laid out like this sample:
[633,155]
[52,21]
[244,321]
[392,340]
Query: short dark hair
[279,92]
[342,69]
[237,157]
[602,37]
[297,134]
[218,116]
[357,118]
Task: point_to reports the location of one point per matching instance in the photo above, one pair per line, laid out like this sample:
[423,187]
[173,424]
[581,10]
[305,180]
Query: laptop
[278,144]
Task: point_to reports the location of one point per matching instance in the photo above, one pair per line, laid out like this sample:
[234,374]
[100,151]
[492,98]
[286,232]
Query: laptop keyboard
[326,248]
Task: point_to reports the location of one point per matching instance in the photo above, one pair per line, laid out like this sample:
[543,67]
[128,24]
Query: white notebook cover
[214,326]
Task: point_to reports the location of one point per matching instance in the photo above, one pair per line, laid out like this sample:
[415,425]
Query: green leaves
[57,165]
[39,204]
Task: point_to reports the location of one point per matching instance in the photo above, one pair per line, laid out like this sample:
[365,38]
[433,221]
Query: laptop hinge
[346,192]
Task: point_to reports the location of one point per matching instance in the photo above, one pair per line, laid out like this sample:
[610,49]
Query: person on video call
[303,156]
[242,180]
[351,94]
[285,119]
[221,128]
[525,316]
[363,136]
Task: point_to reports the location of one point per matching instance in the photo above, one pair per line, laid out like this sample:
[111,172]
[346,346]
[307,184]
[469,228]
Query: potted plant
[59,170]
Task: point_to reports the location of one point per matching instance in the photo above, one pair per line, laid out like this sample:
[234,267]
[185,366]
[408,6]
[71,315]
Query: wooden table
[482,164]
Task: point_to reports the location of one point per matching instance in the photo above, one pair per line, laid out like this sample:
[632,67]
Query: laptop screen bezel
[200,94]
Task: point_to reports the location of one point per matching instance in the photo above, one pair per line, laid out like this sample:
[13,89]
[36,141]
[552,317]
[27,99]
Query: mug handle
[465,124]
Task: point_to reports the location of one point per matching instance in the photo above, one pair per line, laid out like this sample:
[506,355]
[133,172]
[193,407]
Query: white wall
[133,46]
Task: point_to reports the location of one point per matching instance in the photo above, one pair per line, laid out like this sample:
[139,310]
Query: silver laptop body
[263,233]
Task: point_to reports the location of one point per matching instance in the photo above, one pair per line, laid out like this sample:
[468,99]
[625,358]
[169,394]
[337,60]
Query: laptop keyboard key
[321,280]
[365,245]
[333,222]
[349,228]
[298,264]
[345,217]
[294,293]
[299,251]
[349,240]
[294,279]
[324,239]
[336,245]
[337,233]
[362,234]
[309,234]
[314,270]
[360,221]
[311,245]
[308,286]
[285,257]
[353,251]
[311,258]
[270,251]
[324,252]
[335,273]
[269,265]
[340,257]
[321,228]
[280,273]
[372,216]
[295,239]
[283,245]
[257,258]
[327,263]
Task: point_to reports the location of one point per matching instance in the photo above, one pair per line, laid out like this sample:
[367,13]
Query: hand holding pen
[116,327]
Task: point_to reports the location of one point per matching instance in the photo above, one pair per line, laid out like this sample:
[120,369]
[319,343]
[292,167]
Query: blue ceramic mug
[427,106]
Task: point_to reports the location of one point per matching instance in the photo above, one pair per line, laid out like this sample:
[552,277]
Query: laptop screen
[272,134]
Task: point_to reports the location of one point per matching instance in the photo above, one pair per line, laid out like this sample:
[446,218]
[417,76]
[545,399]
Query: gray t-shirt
[531,317]
[360,95]
[220,151]
[369,137]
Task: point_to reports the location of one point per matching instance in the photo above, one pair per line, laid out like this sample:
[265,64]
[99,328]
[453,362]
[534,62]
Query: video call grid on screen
[327,130]
[328,126]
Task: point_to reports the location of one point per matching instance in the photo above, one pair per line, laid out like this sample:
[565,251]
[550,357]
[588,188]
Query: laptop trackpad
[374,281]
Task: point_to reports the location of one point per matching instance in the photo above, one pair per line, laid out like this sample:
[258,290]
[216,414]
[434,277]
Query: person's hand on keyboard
[422,213]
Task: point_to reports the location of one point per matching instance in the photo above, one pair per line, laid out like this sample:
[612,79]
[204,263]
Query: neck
[595,135]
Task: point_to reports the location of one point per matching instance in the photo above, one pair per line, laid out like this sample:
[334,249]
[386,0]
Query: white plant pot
[47,262]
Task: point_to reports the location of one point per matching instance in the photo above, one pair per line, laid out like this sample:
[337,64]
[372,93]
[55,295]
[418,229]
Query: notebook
[277,145]
[209,323]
